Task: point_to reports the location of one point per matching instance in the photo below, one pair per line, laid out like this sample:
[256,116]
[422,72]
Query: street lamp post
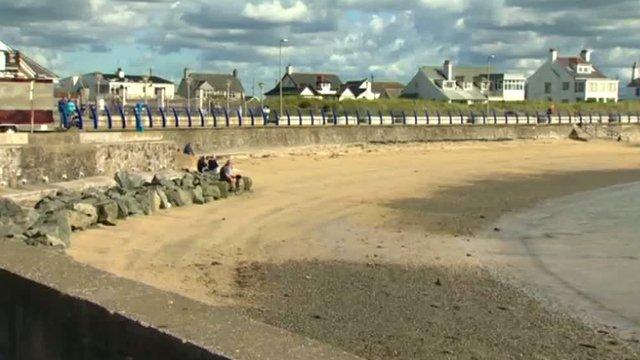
[98,83]
[261,86]
[491,57]
[146,86]
[188,82]
[282,41]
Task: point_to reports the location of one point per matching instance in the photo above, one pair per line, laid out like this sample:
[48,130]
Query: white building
[632,90]
[464,84]
[119,87]
[571,79]
[357,90]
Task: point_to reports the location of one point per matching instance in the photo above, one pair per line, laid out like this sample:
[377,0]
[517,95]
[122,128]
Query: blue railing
[150,118]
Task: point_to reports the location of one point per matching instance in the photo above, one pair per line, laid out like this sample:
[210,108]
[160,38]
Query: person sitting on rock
[202,164]
[226,174]
[212,164]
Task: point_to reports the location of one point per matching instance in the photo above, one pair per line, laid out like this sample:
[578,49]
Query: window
[612,87]
[565,86]
[579,87]
[593,87]
[547,88]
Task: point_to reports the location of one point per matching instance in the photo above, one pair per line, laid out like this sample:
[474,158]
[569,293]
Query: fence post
[324,116]
[335,117]
[239,117]
[527,113]
[506,118]
[393,120]
[426,114]
[253,120]
[226,117]
[189,120]
[472,117]
[381,118]
[94,115]
[163,116]
[369,116]
[559,118]
[415,117]
[357,117]
[124,120]
[590,118]
[599,117]
[439,117]
[275,112]
[215,119]
[313,121]
[517,118]
[495,117]
[109,120]
[484,117]
[537,117]
[175,116]
[461,118]
[300,117]
[201,117]
[149,116]
[579,117]
[265,118]
[288,117]
[629,117]
[450,117]
[136,115]
[404,118]
[570,117]
[80,119]
[346,118]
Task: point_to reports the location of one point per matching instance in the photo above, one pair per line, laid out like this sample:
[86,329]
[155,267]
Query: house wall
[136,90]
[601,90]
[15,103]
[423,88]
[629,93]
[551,73]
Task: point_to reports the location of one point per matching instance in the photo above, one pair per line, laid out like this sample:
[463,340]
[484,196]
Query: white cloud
[274,11]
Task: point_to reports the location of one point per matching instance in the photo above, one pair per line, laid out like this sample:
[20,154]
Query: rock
[223,187]
[9,229]
[123,209]
[179,197]
[9,209]
[129,181]
[49,204]
[83,216]
[248,183]
[165,178]
[107,212]
[164,201]
[134,206]
[187,181]
[210,190]
[208,199]
[148,200]
[198,198]
[51,230]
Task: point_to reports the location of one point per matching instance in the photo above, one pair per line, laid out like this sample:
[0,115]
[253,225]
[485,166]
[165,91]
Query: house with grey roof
[117,87]
[571,79]
[632,90]
[200,88]
[387,89]
[312,85]
[357,90]
[460,84]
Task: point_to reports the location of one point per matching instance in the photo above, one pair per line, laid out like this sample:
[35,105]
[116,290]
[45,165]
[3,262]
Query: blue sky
[353,38]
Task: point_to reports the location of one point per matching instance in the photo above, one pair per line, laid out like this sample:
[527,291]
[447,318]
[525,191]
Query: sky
[353,38]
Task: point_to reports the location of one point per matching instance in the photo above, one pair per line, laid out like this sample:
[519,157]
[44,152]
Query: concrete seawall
[71,155]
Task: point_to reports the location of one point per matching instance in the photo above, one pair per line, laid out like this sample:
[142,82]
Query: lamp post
[489,58]
[228,91]
[282,42]
[261,86]
[98,82]
[145,78]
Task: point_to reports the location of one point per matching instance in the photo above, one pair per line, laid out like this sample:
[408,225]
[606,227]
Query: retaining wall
[73,154]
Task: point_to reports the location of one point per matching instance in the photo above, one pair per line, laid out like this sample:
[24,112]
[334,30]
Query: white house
[357,90]
[204,87]
[119,87]
[312,85]
[632,90]
[571,79]
[463,84]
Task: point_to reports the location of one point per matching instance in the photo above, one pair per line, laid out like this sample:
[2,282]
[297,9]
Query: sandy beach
[375,248]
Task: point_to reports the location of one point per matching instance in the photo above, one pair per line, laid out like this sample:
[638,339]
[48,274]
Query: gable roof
[311,79]
[568,65]
[28,64]
[467,73]
[379,86]
[354,87]
[217,81]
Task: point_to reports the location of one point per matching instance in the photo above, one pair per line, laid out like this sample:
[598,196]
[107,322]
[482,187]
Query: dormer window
[468,86]
[448,84]
[584,69]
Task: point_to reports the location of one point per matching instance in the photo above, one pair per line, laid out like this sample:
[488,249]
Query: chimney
[289,69]
[635,72]
[553,55]
[235,73]
[185,73]
[447,69]
[586,55]
[120,74]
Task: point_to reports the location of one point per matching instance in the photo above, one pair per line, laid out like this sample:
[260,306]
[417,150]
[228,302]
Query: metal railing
[139,118]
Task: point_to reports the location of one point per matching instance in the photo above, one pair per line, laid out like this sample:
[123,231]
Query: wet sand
[372,226]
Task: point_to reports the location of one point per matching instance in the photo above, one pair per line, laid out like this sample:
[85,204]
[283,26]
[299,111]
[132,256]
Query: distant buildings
[571,79]
[632,90]
[464,84]
[117,87]
[21,80]
[202,88]
[387,90]
[310,85]
[357,90]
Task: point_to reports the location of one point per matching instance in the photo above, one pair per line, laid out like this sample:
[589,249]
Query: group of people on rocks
[209,164]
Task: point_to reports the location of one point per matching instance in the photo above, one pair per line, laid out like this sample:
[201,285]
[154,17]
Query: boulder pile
[52,220]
